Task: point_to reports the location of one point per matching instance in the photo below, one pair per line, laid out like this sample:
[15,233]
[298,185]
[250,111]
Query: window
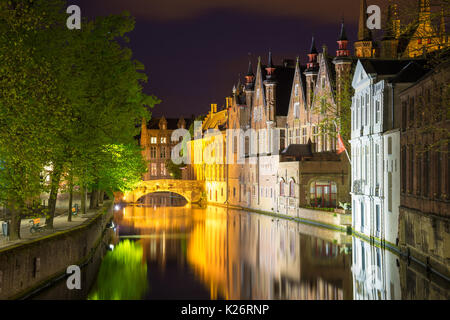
[323,194]
[389,145]
[419,174]
[163,153]
[153,169]
[296,110]
[281,189]
[404,112]
[411,111]
[163,169]
[378,111]
[362,214]
[304,136]
[378,218]
[403,173]
[411,170]
[292,189]
[376,162]
[163,140]
[438,174]
[390,191]
[153,152]
[426,174]
[296,90]
[153,140]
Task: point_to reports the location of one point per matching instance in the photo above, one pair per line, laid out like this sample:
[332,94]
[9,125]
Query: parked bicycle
[36,225]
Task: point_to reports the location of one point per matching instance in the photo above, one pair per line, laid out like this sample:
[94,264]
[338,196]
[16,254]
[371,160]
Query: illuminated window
[163,169]
[153,169]
[153,140]
[163,140]
[153,152]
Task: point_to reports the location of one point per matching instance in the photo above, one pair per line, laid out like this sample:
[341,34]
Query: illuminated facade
[156,140]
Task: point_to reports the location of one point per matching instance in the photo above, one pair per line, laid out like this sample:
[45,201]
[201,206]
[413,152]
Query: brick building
[425,163]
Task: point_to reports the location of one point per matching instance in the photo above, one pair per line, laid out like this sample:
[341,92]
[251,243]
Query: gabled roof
[298,151]
[283,76]
[412,72]
[383,67]
[172,123]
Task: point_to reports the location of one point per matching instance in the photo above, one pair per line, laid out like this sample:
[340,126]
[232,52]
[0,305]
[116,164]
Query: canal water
[218,253]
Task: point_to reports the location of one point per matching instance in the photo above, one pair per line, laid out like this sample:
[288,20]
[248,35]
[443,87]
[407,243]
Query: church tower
[270,85]
[342,62]
[249,85]
[311,72]
[364,47]
[389,43]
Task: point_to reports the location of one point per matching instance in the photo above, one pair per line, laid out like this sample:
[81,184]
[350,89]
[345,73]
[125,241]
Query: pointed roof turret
[343,34]
[250,77]
[250,68]
[312,64]
[313,49]
[270,67]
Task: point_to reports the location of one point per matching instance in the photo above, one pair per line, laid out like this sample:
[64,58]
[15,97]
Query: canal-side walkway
[60,223]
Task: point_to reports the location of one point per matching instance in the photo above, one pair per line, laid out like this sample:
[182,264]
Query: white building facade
[375,141]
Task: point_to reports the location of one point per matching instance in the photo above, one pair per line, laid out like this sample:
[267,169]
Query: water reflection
[217,253]
[238,255]
[122,275]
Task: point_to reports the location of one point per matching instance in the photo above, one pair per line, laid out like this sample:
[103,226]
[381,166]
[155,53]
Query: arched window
[292,189]
[323,194]
[281,188]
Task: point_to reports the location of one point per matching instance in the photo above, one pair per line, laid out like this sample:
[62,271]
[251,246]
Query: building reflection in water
[234,254]
[239,255]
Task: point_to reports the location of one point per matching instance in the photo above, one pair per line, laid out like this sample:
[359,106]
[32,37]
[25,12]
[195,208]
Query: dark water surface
[218,253]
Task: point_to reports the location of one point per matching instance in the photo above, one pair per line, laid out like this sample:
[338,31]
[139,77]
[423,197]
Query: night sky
[194,50]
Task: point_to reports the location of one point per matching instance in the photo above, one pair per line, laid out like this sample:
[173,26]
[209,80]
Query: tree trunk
[14,227]
[83,198]
[92,199]
[97,203]
[101,197]
[55,179]
[69,216]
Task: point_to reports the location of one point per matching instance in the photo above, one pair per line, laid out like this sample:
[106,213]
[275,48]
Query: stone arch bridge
[191,190]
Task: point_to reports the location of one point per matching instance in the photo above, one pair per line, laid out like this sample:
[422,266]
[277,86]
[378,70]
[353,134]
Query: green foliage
[69,101]
[122,275]
[174,169]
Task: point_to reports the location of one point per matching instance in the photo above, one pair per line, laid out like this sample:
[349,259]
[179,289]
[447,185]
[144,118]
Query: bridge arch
[191,190]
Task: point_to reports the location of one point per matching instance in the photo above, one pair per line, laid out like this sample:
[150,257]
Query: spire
[312,57]
[342,43]
[442,32]
[424,11]
[343,34]
[250,77]
[250,69]
[313,49]
[270,67]
[363,32]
